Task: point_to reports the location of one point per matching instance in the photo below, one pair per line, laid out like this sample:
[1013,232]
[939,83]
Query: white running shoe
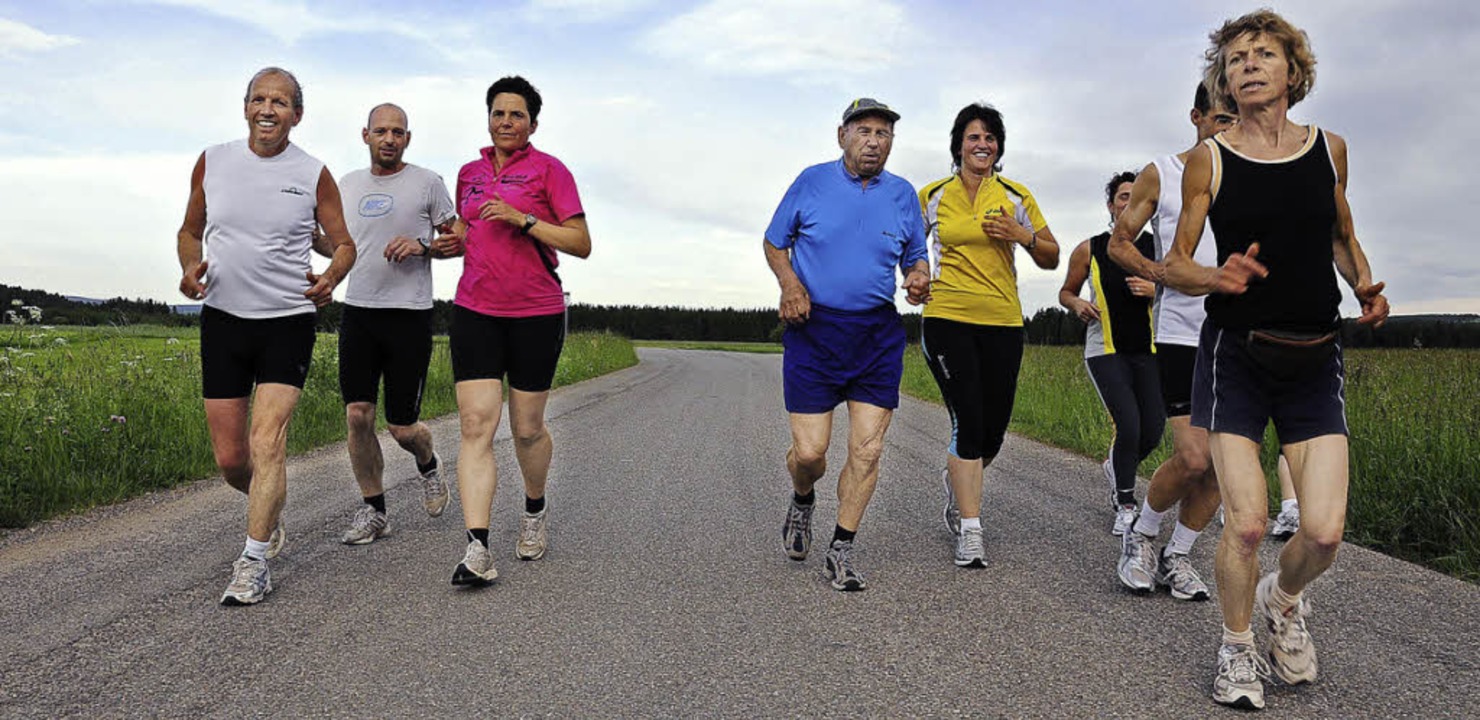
[1137,567]
[476,567]
[368,525]
[951,514]
[1240,679]
[434,495]
[1291,651]
[532,535]
[1285,524]
[970,550]
[250,582]
[1176,574]
[276,540]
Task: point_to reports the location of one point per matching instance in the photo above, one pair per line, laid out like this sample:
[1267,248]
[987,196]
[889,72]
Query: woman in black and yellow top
[972,333]
[1118,350]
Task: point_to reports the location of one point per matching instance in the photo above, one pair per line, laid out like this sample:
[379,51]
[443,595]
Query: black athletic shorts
[1232,393]
[237,353]
[1176,363]
[385,342]
[527,349]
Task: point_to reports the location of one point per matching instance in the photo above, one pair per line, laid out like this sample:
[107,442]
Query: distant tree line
[1048,326]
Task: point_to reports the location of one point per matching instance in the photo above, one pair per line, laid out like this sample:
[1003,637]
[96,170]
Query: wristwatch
[529,222]
[426,247]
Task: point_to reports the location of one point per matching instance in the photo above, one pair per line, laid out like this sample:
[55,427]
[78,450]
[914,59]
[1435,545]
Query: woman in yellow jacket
[972,333]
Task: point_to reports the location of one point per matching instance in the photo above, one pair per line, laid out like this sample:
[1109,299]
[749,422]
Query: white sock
[1288,505]
[971,523]
[1149,524]
[255,549]
[1238,638]
[1182,539]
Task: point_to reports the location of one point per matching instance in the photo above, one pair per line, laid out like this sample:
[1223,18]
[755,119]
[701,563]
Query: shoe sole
[971,563]
[1193,597]
[1275,666]
[274,548]
[1242,702]
[234,601]
[1135,588]
[365,541]
[436,511]
[462,576]
[843,586]
[529,558]
[1282,535]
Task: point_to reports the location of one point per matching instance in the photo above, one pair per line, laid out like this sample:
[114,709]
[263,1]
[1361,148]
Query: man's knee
[360,416]
[529,435]
[1244,533]
[403,434]
[1194,462]
[234,461]
[812,456]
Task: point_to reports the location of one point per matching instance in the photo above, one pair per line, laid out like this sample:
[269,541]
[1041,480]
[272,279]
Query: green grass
[1415,448]
[722,346]
[92,416]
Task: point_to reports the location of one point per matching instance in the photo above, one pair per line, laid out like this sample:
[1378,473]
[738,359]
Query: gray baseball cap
[867,106]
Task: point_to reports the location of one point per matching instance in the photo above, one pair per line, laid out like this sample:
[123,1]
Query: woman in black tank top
[1274,193]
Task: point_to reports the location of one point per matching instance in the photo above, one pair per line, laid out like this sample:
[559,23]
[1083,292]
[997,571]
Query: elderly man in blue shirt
[834,244]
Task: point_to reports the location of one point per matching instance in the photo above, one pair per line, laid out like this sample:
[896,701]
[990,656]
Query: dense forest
[1049,326]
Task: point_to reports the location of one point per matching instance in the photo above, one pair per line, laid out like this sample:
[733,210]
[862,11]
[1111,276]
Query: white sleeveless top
[1176,318]
[259,229]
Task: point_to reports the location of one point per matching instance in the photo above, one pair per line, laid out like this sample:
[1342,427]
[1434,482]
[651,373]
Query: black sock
[845,535]
[804,500]
[534,506]
[480,535]
[377,502]
[424,469]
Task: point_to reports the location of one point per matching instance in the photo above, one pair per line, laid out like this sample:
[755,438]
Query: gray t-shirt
[378,208]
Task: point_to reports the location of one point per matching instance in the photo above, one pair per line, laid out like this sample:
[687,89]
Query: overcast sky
[684,123]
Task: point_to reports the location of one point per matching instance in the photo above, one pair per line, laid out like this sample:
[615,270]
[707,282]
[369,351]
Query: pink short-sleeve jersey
[503,274]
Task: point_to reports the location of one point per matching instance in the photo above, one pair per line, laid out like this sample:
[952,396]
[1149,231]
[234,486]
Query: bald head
[397,115]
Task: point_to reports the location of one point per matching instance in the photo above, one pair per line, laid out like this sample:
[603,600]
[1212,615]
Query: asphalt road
[665,591]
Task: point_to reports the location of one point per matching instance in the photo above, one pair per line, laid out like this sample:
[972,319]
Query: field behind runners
[1415,447]
[90,416]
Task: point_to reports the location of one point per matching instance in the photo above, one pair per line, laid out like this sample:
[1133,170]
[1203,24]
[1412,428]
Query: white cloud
[568,12]
[18,38]
[291,21]
[766,37]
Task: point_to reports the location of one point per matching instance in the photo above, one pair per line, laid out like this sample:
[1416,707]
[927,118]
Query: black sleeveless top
[1125,319]
[1289,208]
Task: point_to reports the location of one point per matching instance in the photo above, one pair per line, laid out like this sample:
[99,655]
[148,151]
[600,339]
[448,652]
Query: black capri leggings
[976,367]
[1130,387]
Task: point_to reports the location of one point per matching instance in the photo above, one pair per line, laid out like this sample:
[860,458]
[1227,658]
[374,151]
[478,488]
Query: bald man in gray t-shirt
[395,212]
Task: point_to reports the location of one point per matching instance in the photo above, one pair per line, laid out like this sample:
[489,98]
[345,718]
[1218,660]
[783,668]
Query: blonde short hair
[1261,22]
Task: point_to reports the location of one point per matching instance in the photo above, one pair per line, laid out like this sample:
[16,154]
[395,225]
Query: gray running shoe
[1125,517]
[796,532]
[1137,565]
[276,540]
[837,566]
[250,582]
[952,514]
[368,525]
[476,567]
[1285,524]
[532,535]
[1291,651]
[970,551]
[434,495]
[1176,574]
[1240,679]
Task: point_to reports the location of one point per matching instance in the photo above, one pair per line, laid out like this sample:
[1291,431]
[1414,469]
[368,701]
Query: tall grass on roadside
[91,416]
[1415,450]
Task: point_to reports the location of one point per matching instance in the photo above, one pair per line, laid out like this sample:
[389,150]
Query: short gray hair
[264,72]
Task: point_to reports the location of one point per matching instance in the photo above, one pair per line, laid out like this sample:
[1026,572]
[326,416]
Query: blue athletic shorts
[1231,393]
[839,355]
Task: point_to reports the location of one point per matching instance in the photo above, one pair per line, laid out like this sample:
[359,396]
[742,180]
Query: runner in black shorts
[1118,351]
[253,207]
[1274,193]
[386,329]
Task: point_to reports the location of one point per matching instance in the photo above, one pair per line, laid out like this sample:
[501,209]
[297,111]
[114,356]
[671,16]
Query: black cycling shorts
[389,343]
[526,349]
[238,353]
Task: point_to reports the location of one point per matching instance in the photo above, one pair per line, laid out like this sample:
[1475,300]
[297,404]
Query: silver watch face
[530,219]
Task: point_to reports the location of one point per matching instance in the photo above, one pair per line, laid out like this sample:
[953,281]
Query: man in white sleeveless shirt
[253,207]
[1187,476]
[394,211]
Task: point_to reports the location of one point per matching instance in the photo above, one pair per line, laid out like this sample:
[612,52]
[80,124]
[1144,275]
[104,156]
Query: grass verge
[92,416]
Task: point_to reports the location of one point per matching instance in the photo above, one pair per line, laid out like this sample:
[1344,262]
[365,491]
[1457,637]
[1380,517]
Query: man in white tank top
[244,252]
[1187,475]
[400,216]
